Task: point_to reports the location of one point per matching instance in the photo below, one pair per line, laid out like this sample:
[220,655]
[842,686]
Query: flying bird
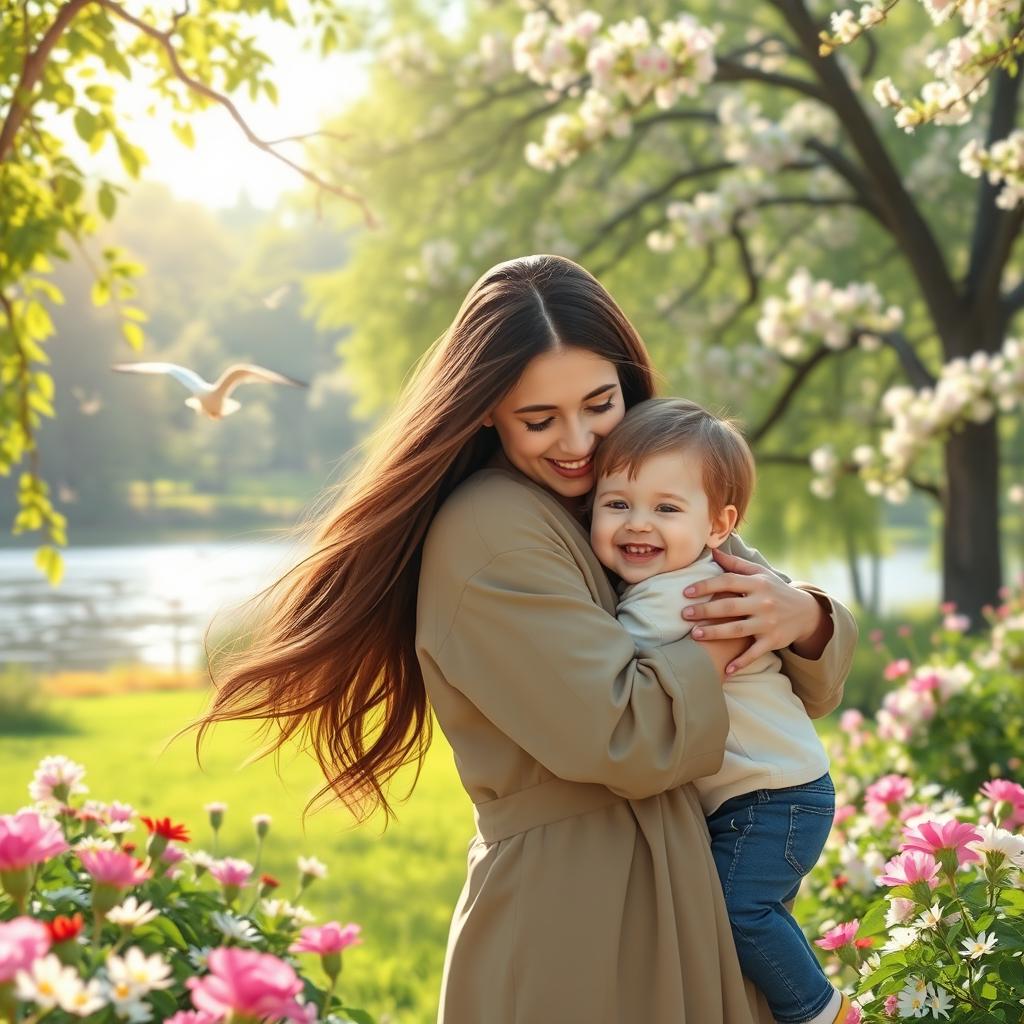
[211,400]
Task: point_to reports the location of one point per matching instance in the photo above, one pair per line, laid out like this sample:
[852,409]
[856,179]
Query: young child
[672,483]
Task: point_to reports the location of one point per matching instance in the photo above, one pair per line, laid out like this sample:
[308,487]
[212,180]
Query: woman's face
[551,422]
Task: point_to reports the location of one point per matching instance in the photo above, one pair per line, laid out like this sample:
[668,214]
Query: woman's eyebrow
[546,408]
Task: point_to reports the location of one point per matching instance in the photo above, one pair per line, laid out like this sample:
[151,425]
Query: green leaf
[100,292]
[359,1016]
[49,561]
[873,922]
[85,124]
[133,334]
[107,201]
[184,132]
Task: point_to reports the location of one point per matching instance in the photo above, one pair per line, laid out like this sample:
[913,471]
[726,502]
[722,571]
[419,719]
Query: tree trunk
[972,573]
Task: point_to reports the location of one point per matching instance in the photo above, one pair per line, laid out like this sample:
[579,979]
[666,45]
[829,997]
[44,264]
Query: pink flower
[1003,791]
[957,623]
[897,668]
[851,720]
[909,867]
[925,683]
[331,938]
[883,797]
[891,1003]
[843,812]
[936,837]
[22,940]
[247,983]
[947,607]
[904,631]
[231,871]
[172,854]
[191,1017]
[113,867]
[841,935]
[853,1016]
[120,812]
[876,636]
[28,838]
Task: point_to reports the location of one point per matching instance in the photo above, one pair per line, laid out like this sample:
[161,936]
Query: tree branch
[650,196]
[164,39]
[732,71]
[916,372]
[885,189]
[847,468]
[32,71]
[800,373]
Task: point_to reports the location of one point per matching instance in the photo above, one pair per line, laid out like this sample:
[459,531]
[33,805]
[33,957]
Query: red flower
[62,928]
[269,881]
[863,943]
[164,827]
[128,847]
[840,881]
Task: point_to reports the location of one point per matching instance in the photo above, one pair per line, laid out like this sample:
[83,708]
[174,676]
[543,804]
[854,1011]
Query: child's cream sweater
[772,743]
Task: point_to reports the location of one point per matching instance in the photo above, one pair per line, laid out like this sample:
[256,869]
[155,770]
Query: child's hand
[750,600]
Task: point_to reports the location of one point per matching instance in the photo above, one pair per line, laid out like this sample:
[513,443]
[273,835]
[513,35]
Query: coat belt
[543,804]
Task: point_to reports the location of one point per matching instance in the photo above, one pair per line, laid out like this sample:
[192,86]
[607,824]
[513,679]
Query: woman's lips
[641,553]
[572,469]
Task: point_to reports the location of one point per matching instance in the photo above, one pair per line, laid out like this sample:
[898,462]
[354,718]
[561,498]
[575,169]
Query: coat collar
[597,572]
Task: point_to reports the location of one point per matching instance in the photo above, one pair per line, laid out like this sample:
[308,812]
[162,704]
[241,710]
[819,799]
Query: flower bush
[89,930]
[918,898]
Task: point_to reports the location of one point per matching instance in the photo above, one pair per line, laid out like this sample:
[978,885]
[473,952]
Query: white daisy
[131,913]
[47,982]
[133,975]
[900,938]
[312,867]
[975,948]
[83,998]
[233,927]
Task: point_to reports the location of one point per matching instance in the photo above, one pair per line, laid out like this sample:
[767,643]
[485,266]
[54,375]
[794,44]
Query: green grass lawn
[400,886]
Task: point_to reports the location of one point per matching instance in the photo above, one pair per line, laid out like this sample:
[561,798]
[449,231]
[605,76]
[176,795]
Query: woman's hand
[723,652]
[755,602]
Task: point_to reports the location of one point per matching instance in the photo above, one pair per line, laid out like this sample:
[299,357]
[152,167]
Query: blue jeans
[764,843]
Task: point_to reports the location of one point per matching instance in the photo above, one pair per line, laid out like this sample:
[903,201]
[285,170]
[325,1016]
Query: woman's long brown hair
[335,659]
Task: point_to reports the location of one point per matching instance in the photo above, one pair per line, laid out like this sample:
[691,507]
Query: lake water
[151,603]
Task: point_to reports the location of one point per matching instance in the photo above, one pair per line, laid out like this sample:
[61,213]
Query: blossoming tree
[751,149]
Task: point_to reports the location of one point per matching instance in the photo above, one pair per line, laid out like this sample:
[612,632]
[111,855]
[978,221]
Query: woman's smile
[572,470]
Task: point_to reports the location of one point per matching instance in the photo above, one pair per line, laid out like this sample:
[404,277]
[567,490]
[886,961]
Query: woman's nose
[579,441]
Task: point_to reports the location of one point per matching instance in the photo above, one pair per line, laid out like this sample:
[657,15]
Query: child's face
[658,521]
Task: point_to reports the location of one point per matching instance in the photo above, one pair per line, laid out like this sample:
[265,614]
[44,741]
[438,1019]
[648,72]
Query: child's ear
[722,525]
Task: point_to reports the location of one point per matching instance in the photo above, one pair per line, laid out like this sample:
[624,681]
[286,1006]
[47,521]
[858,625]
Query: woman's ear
[488,421]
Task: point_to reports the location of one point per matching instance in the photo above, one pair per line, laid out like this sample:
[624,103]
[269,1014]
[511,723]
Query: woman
[591,894]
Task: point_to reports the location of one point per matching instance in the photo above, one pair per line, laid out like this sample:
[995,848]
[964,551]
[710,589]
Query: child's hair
[676,424]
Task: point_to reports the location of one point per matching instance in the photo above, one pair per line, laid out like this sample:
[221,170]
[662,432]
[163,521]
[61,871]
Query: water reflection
[118,604]
[152,603]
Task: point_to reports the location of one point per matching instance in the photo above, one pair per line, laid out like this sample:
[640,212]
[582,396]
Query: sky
[223,164]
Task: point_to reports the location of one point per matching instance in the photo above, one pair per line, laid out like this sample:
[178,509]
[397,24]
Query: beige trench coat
[591,895]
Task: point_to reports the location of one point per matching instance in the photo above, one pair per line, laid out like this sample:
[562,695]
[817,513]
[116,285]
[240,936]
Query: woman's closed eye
[596,409]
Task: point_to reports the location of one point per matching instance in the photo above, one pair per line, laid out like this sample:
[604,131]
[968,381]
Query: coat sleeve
[557,674]
[818,682]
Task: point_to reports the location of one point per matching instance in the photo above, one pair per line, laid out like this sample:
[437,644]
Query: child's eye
[667,508]
[543,425]
[615,503]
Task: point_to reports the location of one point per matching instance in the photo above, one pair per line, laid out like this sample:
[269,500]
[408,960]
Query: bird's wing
[242,372]
[182,374]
